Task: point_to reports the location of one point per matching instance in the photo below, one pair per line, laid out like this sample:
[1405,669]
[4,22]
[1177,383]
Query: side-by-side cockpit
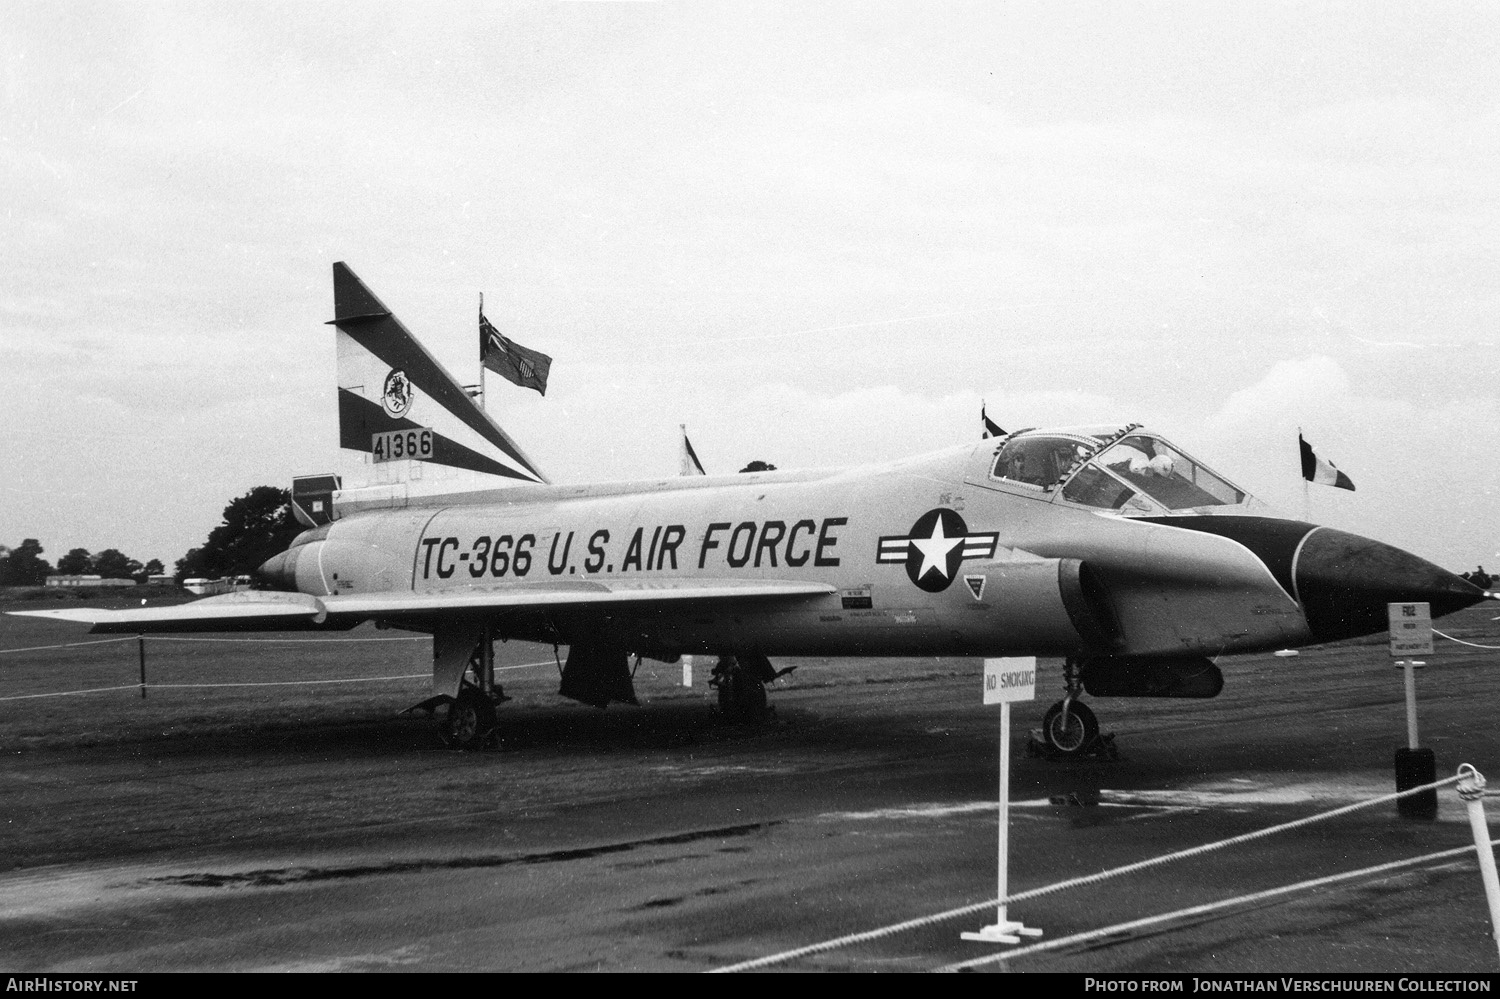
[1126,469]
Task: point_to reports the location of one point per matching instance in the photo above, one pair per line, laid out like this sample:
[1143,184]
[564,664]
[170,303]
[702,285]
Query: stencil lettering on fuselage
[749,544]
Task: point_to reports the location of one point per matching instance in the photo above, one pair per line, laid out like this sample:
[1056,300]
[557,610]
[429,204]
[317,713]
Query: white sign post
[1006,680]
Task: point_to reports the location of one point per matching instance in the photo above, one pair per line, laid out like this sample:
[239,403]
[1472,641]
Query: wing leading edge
[265,610]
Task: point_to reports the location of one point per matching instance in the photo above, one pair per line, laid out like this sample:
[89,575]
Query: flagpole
[481,353]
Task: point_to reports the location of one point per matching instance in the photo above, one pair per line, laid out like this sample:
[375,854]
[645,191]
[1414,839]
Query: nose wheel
[1069,727]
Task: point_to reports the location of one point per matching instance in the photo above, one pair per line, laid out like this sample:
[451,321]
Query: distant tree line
[24,565]
[109,564]
[256,526]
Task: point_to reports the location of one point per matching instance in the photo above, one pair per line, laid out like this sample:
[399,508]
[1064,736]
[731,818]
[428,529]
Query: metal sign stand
[1411,633]
[1409,666]
[1006,680]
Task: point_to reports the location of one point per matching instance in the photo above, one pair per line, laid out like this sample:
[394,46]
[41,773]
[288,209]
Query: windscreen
[1145,465]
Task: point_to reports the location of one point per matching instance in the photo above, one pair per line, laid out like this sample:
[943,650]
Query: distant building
[161,580]
[209,587]
[83,579]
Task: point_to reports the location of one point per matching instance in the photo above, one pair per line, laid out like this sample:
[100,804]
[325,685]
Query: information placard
[1411,629]
[1008,680]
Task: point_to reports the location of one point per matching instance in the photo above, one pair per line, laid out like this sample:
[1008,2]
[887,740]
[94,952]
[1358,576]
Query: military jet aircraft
[1107,546]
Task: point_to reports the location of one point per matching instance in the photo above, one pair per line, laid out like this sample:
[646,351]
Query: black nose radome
[1344,583]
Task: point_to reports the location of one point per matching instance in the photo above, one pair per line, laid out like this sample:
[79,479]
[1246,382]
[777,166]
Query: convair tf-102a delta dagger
[1108,546]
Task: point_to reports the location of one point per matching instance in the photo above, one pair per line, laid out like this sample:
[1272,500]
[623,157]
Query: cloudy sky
[816,234]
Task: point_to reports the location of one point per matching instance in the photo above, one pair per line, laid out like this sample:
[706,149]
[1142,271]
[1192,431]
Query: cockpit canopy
[1117,468]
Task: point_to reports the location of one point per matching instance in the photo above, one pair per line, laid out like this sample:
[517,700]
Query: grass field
[58,692]
[328,777]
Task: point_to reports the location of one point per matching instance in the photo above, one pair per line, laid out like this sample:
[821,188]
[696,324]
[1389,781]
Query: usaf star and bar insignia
[937,544]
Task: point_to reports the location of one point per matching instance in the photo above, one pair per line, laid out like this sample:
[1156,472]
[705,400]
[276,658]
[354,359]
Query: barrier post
[1411,633]
[1471,790]
[1006,680]
[1410,667]
[140,641]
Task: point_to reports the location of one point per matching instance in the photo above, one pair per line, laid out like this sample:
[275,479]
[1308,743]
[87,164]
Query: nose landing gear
[1069,727]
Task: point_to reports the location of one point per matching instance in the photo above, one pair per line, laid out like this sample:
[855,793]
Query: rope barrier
[1086,879]
[66,693]
[161,686]
[259,683]
[1199,910]
[171,638]
[1460,641]
[70,645]
[284,641]
[297,683]
[286,683]
[300,683]
[544,662]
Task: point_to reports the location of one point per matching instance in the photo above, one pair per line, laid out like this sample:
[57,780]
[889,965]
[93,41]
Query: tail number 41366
[393,445]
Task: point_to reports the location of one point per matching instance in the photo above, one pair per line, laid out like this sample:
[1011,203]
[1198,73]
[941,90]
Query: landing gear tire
[742,697]
[470,721]
[1070,728]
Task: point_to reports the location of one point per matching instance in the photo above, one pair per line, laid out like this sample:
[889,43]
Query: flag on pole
[988,426]
[516,364]
[1321,470]
[690,463]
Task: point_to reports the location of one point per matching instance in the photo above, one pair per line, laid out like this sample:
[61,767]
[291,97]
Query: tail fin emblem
[396,398]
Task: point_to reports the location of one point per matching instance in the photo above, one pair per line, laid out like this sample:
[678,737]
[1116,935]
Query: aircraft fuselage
[926,556]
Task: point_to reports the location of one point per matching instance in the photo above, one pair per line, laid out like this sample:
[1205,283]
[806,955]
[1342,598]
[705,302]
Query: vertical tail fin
[401,412]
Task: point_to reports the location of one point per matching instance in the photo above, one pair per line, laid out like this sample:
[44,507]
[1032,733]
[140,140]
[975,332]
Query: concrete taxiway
[658,839]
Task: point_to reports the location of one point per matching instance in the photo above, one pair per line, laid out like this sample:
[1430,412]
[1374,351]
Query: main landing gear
[741,683]
[470,722]
[1069,728]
